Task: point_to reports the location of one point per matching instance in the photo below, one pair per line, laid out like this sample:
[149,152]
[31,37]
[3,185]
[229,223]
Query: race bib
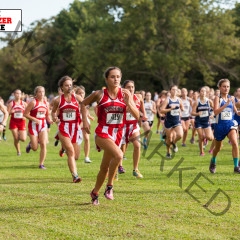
[148,111]
[18,115]
[114,118]
[175,112]
[225,115]
[129,117]
[41,114]
[203,114]
[69,116]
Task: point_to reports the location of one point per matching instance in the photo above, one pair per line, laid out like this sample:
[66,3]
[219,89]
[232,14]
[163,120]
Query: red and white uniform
[70,119]
[17,120]
[131,123]
[39,111]
[111,118]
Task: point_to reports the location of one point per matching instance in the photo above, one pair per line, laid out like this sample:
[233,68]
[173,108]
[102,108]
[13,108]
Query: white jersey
[148,106]
[186,108]
[1,116]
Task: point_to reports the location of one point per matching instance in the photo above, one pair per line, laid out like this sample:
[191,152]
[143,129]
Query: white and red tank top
[19,109]
[69,111]
[111,111]
[39,110]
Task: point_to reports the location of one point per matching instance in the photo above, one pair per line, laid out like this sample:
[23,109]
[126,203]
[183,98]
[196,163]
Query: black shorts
[185,118]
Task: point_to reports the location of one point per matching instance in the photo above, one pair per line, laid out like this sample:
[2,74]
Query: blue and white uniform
[202,121]
[237,117]
[172,118]
[224,120]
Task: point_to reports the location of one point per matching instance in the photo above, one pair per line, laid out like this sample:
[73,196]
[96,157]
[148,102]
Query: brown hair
[107,71]
[221,81]
[37,88]
[63,80]
[126,82]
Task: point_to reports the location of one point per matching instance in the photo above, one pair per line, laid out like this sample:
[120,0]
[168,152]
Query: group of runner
[121,111]
[213,115]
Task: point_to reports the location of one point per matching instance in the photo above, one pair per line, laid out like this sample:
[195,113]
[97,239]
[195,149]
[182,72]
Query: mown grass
[38,204]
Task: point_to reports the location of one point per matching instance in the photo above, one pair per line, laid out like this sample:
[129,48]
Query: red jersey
[69,116]
[19,109]
[131,123]
[111,118]
[69,111]
[39,111]
[111,111]
[17,120]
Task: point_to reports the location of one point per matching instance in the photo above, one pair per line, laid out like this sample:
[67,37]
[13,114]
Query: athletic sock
[214,160]
[75,175]
[235,161]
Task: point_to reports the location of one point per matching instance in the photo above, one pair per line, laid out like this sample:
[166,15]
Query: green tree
[214,43]
[17,70]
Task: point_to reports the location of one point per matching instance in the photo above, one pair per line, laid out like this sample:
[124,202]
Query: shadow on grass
[20,167]
[34,180]
[32,208]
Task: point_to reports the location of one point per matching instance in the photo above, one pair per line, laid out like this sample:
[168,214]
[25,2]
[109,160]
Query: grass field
[177,198]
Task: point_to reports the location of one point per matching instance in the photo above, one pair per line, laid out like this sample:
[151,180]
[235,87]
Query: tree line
[156,43]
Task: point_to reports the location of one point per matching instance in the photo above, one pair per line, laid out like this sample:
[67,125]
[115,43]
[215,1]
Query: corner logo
[10,19]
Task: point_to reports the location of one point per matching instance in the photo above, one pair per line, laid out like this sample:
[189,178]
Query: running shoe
[94,198]
[18,154]
[56,143]
[124,157]
[192,141]
[28,148]
[212,167]
[175,148]
[76,179]
[121,170]
[168,155]
[210,151]
[61,152]
[236,169]
[184,145]
[87,160]
[109,193]
[202,154]
[137,174]
[42,167]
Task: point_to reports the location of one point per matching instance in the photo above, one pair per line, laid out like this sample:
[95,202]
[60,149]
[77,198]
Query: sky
[33,10]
